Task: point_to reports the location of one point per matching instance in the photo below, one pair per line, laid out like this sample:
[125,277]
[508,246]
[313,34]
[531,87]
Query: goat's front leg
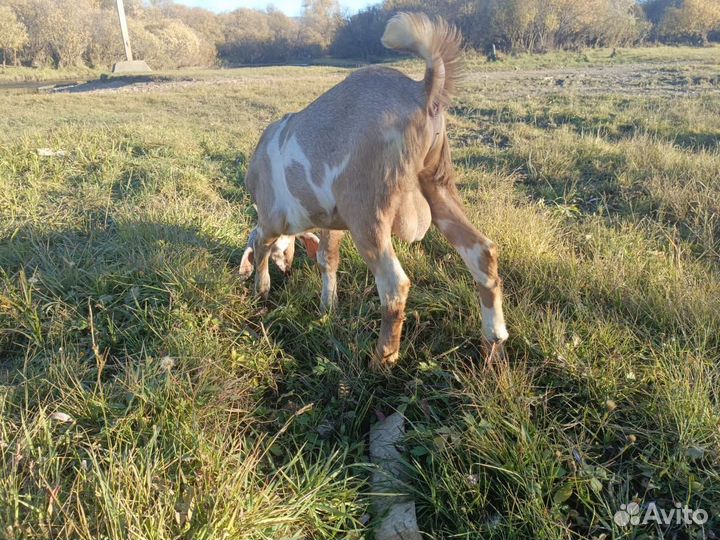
[263,247]
[328,258]
[479,254]
[393,287]
[289,256]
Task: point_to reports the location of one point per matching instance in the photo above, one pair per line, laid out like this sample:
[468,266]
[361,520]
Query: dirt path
[634,79]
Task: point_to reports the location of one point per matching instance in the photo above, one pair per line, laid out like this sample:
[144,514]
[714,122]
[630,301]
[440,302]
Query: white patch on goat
[472,259]
[277,253]
[493,323]
[285,202]
[389,279]
[283,242]
[331,174]
[292,152]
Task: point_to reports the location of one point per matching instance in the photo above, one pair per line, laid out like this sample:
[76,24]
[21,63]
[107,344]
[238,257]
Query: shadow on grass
[111,83]
[126,287]
[121,267]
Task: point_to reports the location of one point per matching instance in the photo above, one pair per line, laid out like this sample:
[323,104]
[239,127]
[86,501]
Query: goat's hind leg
[478,252]
[328,258]
[393,287]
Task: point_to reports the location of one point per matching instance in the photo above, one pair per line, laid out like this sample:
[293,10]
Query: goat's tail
[438,43]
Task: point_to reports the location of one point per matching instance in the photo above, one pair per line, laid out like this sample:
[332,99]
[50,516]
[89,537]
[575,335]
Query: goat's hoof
[262,293]
[494,350]
[495,335]
[262,287]
[382,361]
[327,308]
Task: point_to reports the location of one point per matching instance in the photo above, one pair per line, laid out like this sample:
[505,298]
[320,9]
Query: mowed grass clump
[145,392]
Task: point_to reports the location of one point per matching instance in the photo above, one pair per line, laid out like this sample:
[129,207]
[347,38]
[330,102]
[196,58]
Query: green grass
[12,74]
[144,391]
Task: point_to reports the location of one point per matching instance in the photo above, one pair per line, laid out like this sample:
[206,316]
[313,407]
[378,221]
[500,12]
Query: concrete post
[124,30]
[128,66]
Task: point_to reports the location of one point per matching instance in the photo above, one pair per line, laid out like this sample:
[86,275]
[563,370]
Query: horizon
[292,8]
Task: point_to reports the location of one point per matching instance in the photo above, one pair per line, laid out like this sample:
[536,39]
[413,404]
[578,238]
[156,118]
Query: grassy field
[145,393]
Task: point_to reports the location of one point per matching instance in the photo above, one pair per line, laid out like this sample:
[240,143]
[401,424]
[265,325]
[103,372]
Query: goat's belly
[303,211]
[413,218]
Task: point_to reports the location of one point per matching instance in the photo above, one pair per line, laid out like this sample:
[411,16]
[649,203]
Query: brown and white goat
[371,156]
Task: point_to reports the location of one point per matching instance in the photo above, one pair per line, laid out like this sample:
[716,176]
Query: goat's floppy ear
[312,243]
[247,263]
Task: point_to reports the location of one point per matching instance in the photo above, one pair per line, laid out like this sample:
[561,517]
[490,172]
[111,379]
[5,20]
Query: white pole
[124,30]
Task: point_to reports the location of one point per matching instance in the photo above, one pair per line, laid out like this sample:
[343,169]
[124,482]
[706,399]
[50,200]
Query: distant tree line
[543,25]
[62,33]
[167,35]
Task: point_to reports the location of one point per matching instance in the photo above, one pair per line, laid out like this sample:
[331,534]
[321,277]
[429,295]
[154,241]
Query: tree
[246,31]
[252,36]
[694,19]
[64,26]
[58,30]
[360,36]
[13,34]
[181,46]
[204,22]
[320,20]
[105,46]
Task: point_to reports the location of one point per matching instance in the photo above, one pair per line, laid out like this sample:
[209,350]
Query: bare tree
[694,19]
[320,20]
[13,34]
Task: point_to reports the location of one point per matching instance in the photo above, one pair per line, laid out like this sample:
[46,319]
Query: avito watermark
[633,514]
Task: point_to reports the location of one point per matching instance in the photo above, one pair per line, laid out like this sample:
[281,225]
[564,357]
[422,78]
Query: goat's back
[371,103]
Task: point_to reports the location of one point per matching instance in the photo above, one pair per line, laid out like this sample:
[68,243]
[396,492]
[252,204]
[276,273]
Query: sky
[290,7]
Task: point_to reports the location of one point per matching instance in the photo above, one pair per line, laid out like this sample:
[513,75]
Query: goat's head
[281,252]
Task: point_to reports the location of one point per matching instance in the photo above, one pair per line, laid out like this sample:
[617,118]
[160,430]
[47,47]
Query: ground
[144,391]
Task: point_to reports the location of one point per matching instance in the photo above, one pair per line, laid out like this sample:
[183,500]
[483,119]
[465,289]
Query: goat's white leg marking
[393,287]
[328,297]
[472,257]
[391,280]
[494,321]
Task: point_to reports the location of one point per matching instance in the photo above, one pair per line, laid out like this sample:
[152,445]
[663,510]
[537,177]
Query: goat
[371,156]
